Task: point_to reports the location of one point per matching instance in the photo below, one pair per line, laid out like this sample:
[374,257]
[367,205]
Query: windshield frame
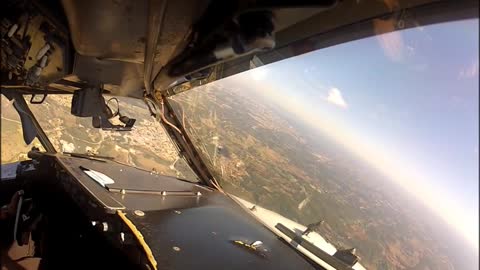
[183,142]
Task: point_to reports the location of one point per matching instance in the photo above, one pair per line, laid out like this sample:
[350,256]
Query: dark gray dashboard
[184,224]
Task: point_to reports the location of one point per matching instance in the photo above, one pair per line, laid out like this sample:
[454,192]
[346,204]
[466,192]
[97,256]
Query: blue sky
[406,102]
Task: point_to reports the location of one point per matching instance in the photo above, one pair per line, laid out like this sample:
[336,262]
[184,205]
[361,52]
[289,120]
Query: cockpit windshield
[146,146]
[375,142]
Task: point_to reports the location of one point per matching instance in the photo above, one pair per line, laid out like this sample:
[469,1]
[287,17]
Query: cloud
[335,97]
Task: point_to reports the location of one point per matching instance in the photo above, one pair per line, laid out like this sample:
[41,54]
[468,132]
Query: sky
[406,102]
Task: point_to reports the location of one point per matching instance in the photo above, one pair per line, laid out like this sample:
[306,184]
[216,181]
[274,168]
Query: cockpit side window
[13,147]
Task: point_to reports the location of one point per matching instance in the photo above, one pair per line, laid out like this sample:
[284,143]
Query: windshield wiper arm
[89,156]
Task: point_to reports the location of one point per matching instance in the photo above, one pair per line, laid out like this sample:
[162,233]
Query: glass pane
[146,146]
[374,141]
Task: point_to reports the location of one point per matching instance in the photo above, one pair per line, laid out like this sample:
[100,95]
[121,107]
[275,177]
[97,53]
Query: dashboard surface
[187,226]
